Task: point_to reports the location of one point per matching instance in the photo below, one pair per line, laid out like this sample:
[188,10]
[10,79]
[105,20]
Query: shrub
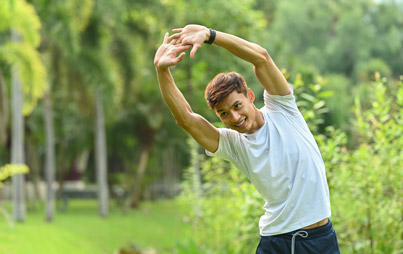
[365,182]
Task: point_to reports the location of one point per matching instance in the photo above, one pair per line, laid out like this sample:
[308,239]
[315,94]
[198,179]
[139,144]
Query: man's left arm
[265,69]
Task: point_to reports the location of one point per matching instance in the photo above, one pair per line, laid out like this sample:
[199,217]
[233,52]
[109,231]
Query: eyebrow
[233,104]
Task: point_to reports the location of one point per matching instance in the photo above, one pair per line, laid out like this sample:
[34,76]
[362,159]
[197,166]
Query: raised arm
[198,127]
[265,69]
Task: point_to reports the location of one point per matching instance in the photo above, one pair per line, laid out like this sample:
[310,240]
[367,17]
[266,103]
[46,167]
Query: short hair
[222,85]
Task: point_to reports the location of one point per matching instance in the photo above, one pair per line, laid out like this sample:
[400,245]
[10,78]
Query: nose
[235,117]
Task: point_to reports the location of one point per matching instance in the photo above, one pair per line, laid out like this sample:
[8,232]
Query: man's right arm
[197,126]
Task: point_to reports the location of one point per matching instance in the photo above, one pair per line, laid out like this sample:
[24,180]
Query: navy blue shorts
[320,240]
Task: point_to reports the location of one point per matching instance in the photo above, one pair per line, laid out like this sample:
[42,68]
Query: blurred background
[92,161]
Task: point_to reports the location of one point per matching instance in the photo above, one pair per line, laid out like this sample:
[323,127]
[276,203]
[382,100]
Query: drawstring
[303,234]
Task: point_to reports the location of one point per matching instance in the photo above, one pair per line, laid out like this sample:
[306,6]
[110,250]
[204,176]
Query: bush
[365,182]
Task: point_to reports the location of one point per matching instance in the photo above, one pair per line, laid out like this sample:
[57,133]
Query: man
[272,146]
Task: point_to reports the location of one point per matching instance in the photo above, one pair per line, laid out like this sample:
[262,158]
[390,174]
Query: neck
[258,122]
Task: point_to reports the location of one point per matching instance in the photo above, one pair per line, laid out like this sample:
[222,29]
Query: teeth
[240,124]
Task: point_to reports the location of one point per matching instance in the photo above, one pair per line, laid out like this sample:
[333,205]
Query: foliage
[336,46]
[310,100]
[5,172]
[365,183]
[366,187]
[230,207]
[12,169]
[20,49]
[337,36]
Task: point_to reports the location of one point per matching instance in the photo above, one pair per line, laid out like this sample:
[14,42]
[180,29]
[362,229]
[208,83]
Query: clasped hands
[191,36]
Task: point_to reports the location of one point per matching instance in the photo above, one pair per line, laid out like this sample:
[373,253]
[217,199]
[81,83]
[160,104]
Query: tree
[98,74]
[17,141]
[50,158]
[4,111]
[62,23]
[5,172]
[337,36]
[365,179]
[28,75]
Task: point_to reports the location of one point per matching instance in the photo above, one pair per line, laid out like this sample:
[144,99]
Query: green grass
[80,230]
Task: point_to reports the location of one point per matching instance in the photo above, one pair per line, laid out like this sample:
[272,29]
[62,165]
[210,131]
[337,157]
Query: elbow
[188,122]
[180,124]
[183,122]
[262,56]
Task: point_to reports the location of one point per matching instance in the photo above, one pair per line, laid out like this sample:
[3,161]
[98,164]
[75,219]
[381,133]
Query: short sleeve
[228,145]
[278,103]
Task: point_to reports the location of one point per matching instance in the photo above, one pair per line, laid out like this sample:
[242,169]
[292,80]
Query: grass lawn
[80,230]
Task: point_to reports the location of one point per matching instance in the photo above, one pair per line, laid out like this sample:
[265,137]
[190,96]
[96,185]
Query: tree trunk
[17,141]
[32,160]
[4,113]
[169,171]
[49,159]
[196,175]
[4,118]
[100,157]
[194,151]
[135,195]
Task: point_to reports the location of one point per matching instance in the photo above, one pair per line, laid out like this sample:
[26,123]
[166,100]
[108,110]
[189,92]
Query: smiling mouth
[241,123]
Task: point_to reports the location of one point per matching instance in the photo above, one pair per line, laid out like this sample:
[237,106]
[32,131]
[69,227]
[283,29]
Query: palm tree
[101,156]
[27,74]
[59,40]
[96,67]
[17,140]
[4,114]
[50,158]
[63,25]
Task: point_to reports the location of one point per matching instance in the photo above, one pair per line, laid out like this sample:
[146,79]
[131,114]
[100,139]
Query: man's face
[237,112]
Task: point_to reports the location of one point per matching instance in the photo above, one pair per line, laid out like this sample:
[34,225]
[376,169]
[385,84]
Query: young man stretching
[272,145]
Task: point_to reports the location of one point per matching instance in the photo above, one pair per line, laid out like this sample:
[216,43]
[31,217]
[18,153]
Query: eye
[237,106]
[223,114]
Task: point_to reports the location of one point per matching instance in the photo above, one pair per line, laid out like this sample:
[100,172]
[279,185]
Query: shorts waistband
[312,232]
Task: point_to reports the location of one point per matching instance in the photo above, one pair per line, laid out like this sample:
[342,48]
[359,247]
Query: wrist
[211,34]
[161,68]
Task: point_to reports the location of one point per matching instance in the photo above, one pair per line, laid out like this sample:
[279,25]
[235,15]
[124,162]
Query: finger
[180,57]
[173,42]
[194,49]
[183,48]
[177,30]
[166,38]
[180,42]
[186,42]
[174,36]
[180,49]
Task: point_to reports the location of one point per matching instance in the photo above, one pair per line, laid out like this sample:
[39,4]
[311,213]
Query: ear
[251,95]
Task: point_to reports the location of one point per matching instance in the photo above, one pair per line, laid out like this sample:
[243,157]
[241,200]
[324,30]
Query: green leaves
[32,71]
[311,101]
[20,50]
[12,169]
[366,182]
[22,17]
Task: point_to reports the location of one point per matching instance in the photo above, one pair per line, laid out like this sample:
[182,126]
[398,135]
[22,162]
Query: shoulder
[281,103]
[229,143]
[228,134]
[274,97]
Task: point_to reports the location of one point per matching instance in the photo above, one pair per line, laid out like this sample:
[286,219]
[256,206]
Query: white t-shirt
[283,162]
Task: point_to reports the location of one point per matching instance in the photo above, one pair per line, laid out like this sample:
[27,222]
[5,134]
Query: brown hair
[222,85]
